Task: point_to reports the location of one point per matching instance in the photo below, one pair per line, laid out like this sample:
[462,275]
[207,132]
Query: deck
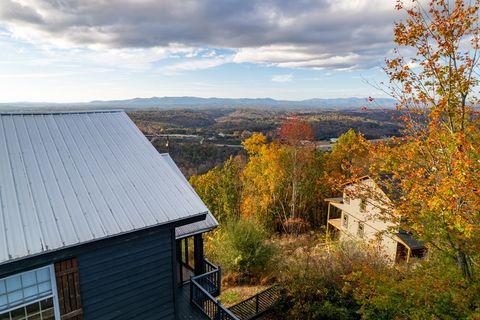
[186,310]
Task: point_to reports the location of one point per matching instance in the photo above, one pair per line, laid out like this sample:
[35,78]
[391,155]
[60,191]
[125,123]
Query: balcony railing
[256,305]
[203,288]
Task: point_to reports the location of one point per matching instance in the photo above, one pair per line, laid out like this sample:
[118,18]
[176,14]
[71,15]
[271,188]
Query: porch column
[198,254]
[327,236]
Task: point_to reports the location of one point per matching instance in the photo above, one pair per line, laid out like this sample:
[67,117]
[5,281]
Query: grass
[234,295]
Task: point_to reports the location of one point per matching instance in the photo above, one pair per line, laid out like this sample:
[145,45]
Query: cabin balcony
[197,298]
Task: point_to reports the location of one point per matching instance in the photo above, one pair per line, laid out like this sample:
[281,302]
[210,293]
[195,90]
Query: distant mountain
[169,102]
[161,103]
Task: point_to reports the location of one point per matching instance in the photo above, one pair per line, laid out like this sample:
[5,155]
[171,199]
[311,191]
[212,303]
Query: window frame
[361,229]
[363,205]
[345,220]
[53,295]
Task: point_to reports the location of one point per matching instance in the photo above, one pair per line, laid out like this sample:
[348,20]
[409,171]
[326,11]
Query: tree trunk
[465,264]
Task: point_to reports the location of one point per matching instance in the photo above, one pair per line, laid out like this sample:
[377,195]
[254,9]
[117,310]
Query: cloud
[194,64]
[305,33]
[282,78]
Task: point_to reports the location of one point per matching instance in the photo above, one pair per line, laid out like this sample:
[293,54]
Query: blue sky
[82,50]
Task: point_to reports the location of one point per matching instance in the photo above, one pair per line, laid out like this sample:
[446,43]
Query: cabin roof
[72,178]
[187,230]
[410,241]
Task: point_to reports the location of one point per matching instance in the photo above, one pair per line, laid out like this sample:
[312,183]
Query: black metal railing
[210,280]
[256,305]
[202,290]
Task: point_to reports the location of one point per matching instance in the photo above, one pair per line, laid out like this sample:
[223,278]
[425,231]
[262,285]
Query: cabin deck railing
[203,288]
[257,305]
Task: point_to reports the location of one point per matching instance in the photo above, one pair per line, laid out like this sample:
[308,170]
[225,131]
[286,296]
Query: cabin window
[188,253]
[29,295]
[363,205]
[345,220]
[346,199]
[361,229]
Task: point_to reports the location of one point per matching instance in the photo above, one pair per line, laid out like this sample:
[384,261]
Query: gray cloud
[16,12]
[300,33]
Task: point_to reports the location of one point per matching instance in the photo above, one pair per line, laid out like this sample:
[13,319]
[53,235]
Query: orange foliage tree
[350,157]
[435,167]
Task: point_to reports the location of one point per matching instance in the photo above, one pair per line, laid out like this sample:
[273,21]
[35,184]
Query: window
[28,296]
[346,199]
[361,229]
[363,205]
[345,220]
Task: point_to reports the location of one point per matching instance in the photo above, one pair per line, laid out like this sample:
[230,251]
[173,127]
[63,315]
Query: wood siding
[129,280]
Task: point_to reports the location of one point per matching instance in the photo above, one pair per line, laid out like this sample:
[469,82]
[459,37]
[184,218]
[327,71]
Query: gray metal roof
[193,228]
[72,178]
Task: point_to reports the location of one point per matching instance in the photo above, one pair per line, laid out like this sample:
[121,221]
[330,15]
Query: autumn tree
[350,157]
[435,167]
[221,188]
[297,136]
[264,181]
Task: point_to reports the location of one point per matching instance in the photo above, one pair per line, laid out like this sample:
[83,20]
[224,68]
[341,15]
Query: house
[94,222]
[353,217]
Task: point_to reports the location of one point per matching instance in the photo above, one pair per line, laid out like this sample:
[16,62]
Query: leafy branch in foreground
[435,167]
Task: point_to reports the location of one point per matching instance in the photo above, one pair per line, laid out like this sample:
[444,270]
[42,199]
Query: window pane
[15,297]
[48,315]
[28,279]
[18,314]
[34,317]
[33,308]
[45,288]
[14,284]
[2,287]
[30,292]
[3,302]
[43,275]
[46,304]
[5,316]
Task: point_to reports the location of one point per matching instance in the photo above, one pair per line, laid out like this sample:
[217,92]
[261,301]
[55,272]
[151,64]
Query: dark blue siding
[129,280]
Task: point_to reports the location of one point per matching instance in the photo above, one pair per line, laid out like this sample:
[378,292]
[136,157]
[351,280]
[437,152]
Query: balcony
[203,290]
[198,299]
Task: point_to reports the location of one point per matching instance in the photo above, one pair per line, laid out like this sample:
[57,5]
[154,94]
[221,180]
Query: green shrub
[241,246]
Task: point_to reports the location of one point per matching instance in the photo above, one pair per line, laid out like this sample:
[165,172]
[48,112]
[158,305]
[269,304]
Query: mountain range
[163,103]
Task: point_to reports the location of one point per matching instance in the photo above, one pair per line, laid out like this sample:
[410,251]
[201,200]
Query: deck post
[198,254]
[328,218]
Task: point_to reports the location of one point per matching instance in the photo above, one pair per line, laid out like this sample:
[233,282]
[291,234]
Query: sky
[83,50]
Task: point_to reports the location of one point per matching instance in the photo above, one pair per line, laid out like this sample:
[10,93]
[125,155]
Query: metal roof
[410,241]
[193,228]
[72,178]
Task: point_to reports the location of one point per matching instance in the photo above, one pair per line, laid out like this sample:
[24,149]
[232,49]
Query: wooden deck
[186,310]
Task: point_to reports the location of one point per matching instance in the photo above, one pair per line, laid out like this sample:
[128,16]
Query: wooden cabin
[352,217]
[94,222]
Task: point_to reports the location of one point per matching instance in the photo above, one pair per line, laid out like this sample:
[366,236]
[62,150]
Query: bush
[433,288]
[314,282]
[241,246]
